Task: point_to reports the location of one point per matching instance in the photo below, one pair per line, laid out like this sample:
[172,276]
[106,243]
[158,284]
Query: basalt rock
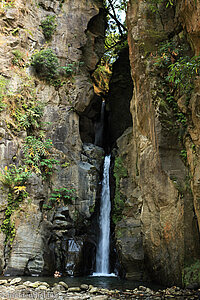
[42,235]
[164,203]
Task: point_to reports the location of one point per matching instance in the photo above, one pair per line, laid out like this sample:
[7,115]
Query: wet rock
[42,287]
[84,287]
[94,290]
[20,287]
[63,284]
[15,281]
[58,288]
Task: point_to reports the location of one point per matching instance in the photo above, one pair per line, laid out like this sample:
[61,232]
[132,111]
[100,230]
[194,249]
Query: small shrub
[37,155]
[62,195]
[17,58]
[14,177]
[72,68]
[46,64]
[24,109]
[48,26]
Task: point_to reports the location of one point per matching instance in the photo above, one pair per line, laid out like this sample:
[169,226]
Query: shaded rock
[58,288]
[74,289]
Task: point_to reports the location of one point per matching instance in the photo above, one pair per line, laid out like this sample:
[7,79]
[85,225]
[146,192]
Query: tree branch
[114,17]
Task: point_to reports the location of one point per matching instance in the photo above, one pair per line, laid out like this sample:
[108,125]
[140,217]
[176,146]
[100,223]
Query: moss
[119,172]
[119,232]
[191,273]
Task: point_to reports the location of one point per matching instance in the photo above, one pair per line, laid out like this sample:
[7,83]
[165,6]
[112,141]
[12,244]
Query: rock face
[160,190]
[57,238]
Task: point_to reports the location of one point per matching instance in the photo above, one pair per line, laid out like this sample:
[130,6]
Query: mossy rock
[191,274]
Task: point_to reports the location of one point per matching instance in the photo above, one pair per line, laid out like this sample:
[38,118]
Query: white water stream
[103,247]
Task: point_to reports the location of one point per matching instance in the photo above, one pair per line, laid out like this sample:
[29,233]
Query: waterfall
[103,247]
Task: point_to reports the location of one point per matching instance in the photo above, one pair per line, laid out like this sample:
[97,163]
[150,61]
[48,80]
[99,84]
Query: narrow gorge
[58,126]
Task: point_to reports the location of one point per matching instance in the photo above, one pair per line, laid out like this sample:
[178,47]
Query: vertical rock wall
[46,240]
[165,187]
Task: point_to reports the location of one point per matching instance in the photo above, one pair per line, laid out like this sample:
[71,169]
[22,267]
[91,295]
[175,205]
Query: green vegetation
[48,26]
[8,3]
[72,68]
[14,179]
[153,4]
[3,83]
[60,196]
[183,72]
[38,157]
[119,172]
[177,71]
[61,2]
[191,273]
[102,75]
[180,69]
[25,111]
[183,155]
[17,58]
[46,64]
[47,67]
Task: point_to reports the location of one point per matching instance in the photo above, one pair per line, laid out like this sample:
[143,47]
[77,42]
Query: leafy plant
[14,178]
[58,196]
[38,157]
[72,68]
[46,64]
[48,26]
[65,195]
[153,4]
[183,155]
[182,73]
[17,58]
[24,109]
[177,71]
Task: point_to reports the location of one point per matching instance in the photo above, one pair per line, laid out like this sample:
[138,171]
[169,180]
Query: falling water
[103,248]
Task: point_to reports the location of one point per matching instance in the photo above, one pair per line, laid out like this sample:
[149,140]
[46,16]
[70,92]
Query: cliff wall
[46,219]
[161,151]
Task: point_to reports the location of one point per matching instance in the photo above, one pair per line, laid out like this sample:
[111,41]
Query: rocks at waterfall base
[18,289]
